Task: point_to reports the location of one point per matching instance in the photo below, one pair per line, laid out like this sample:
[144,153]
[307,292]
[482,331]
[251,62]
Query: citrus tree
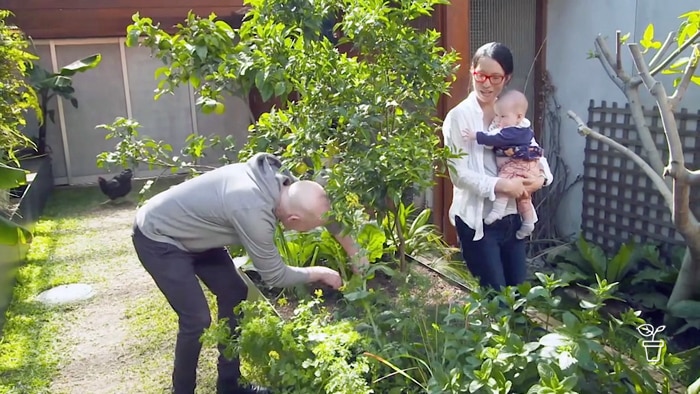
[364,116]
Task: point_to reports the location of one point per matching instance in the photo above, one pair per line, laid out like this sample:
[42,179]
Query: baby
[517,155]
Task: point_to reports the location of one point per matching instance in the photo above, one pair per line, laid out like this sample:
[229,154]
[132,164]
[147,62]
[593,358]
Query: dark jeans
[497,259]
[175,272]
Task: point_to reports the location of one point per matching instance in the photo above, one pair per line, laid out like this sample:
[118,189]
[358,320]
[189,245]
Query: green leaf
[546,373]
[594,255]
[266,91]
[201,52]
[648,39]
[13,234]
[648,33]
[11,177]
[624,38]
[132,35]
[357,295]
[219,108]
[194,81]
[371,238]
[81,65]
[680,62]
[569,382]
[280,88]
[570,320]
[621,263]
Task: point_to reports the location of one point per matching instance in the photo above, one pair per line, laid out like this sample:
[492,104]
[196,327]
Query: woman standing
[492,252]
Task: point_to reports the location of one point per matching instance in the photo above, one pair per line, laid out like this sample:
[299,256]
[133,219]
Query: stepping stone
[66,294]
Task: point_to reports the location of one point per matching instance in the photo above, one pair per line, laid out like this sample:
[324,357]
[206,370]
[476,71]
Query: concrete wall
[572,26]
[122,85]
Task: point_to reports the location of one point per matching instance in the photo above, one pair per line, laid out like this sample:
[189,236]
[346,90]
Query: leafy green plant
[419,234]
[308,353]
[49,85]
[481,342]
[633,268]
[653,283]
[485,344]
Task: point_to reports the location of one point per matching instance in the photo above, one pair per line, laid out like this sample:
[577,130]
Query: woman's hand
[533,183]
[512,188]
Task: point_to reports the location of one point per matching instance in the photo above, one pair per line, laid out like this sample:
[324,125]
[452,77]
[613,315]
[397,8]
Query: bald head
[513,101]
[303,206]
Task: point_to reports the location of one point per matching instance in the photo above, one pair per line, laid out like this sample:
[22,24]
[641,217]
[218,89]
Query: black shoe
[248,389]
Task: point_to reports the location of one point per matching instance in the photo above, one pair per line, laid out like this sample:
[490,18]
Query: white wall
[122,85]
[572,26]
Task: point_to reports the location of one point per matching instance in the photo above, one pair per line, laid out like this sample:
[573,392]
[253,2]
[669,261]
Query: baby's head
[510,108]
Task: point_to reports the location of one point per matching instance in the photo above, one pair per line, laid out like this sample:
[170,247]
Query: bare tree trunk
[675,189]
[686,224]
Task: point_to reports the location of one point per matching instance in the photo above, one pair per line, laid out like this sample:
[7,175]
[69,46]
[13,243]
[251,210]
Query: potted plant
[16,99]
[49,85]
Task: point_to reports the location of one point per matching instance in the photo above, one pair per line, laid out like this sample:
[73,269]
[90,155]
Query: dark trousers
[498,259]
[175,272]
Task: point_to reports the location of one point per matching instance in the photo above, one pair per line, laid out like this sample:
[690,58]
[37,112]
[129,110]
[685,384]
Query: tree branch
[653,175]
[617,75]
[675,53]
[618,50]
[662,51]
[656,88]
[643,132]
[688,73]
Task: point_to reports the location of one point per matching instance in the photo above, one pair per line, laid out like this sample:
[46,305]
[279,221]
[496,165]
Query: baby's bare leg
[525,206]
[508,170]
[527,212]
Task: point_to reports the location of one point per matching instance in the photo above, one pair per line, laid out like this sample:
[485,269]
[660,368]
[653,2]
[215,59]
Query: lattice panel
[620,203]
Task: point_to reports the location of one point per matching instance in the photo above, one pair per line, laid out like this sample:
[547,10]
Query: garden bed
[422,305]
[436,286]
[31,198]
[26,206]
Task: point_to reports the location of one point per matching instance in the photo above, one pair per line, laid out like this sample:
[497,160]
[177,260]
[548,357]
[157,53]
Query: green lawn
[121,340]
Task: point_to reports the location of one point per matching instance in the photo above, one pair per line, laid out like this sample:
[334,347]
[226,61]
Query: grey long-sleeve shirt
[231,205]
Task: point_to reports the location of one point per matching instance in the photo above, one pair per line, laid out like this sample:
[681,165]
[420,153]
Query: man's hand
[325,275]
[468,135]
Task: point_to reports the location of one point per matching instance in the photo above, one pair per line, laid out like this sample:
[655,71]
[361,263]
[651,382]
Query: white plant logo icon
[652,347]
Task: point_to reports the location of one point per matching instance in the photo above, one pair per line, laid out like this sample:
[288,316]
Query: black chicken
[118,186]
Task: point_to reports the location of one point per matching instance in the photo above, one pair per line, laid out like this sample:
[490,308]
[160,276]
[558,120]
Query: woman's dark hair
[498,52]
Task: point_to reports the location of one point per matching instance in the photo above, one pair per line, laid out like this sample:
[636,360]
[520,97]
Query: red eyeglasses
[481,78]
